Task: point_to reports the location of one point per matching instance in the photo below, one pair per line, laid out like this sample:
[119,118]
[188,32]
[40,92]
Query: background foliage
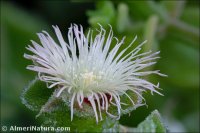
[169,26]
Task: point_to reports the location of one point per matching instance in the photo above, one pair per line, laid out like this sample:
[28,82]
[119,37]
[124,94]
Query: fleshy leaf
[56,111]
[35,95]
[110,125]
[61,118]
[153,123]
[51,105]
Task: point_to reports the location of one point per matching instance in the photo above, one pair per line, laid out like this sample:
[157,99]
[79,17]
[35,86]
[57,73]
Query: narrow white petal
[91,99]
[60,91]
[72,104]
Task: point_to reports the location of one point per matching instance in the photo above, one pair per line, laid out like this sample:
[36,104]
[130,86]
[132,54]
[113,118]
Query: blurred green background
[169,26]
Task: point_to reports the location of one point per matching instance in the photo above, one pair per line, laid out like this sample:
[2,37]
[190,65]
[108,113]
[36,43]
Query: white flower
[90,68]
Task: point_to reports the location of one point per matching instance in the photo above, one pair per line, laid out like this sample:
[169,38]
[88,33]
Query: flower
[90,69]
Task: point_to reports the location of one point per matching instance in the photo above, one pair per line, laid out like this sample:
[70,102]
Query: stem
[178,8]
[184,29]
[174,8]
[176,26]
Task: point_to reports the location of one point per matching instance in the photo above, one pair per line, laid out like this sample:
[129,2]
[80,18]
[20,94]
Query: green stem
[178,8]
[174,8]
[183,29]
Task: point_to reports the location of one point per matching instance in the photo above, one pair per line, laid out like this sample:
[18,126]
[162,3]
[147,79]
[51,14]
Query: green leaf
[61,118]
[35,95]
[153,123]
[57,112]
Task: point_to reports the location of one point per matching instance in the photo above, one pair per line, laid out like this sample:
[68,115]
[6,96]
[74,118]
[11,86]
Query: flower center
[88,78]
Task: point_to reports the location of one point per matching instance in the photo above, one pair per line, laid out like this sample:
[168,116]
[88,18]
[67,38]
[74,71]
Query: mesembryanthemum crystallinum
[86,67]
